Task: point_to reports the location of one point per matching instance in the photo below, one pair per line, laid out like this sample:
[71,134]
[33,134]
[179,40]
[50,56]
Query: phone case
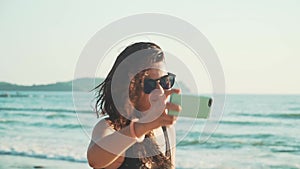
[192,106]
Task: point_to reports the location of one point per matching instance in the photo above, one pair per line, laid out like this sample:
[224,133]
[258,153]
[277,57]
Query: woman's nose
[158,86]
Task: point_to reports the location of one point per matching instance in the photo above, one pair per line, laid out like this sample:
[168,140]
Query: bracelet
[132,131]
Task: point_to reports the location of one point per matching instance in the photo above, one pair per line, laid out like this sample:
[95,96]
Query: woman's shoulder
[102,129]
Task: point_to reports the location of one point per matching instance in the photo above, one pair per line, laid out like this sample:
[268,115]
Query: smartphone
[193,106]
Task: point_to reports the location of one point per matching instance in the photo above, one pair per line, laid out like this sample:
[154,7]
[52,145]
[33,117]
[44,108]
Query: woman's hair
[105,104]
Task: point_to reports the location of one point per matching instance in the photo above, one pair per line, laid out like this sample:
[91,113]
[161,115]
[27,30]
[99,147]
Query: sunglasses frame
[148,91]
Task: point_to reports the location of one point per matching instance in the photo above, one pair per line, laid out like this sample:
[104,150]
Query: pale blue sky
[257,41]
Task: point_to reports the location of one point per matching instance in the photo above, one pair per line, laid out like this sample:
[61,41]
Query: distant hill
[83,84]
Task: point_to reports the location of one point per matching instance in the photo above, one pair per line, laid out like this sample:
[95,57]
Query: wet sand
[20,162]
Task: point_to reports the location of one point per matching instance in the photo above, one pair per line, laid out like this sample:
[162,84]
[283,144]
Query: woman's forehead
[155,73]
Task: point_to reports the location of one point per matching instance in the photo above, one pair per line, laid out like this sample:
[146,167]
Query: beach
[18,162]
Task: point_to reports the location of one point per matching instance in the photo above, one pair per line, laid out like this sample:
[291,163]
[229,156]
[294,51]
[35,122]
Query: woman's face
[143,102]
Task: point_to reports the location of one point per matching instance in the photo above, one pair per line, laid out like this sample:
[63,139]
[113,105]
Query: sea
[255,131]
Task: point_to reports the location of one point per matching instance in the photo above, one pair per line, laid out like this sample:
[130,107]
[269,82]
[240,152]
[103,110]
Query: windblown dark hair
[105,105]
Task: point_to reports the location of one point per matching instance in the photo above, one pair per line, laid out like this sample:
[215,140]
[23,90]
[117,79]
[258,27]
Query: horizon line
[226,93]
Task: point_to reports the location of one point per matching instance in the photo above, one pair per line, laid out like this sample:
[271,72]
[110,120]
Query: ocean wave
[233,141]
[7,121]
[287,116]
[294,108]
[188,143]
[45,110]
[41,124]
[285,151]
[212,144]
[31,95]
[14,95]
[55,115]
[37,109]
[55,125]
[275,115]
[43,156]
[239,136]
[250,123]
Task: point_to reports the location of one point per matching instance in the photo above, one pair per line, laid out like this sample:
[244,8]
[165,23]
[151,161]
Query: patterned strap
[168,149]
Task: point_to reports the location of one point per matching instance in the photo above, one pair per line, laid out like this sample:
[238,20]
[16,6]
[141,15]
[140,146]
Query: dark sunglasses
[166,82]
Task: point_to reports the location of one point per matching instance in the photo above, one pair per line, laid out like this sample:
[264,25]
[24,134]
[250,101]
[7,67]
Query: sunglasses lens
[149,85]
[167,82]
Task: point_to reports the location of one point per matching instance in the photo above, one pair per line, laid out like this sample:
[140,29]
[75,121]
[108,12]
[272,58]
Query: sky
[257,42]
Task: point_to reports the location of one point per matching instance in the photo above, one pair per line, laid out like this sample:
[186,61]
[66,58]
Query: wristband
[132,131]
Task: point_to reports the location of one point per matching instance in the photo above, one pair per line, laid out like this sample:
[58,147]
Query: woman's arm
[99,155]
[109,146]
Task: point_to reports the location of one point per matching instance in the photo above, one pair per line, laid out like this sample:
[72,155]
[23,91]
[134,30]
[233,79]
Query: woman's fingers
[166,119]
[172,106]
[169,92]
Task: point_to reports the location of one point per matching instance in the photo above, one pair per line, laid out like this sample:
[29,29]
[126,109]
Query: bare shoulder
[102,129]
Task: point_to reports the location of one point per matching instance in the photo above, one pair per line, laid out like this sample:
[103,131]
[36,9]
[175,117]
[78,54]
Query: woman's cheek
[144,103]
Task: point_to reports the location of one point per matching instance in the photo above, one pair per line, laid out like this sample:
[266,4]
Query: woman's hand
[157,115]
[166,119]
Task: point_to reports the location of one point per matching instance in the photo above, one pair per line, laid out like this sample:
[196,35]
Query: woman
[134,96]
